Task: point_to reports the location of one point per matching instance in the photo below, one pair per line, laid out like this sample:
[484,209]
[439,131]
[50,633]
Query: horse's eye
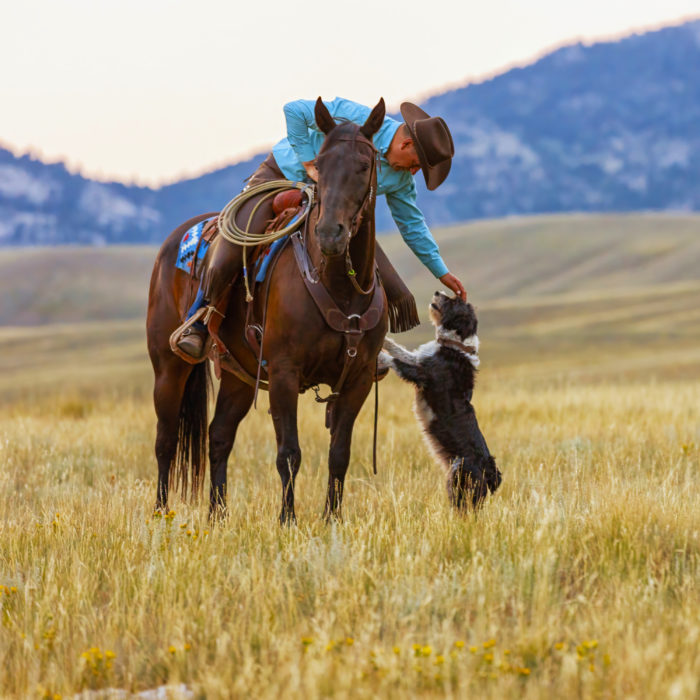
[364,167]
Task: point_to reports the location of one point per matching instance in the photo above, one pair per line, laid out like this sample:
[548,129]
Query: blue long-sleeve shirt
[303,142]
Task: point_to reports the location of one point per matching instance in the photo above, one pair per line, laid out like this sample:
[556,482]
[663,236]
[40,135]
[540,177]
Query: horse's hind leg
[344,413]
[284,397]
[171,378]
[232,404]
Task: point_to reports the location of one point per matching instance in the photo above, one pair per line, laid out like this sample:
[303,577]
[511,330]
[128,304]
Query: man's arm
[299,116]
[414,230]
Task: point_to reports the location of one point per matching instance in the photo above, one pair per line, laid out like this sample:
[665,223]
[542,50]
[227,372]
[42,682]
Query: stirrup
[203,314]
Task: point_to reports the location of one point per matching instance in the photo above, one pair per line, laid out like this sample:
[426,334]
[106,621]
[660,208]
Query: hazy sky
[150,90]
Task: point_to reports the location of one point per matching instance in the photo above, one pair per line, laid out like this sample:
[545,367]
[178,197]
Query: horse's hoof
[287,518]
[218,514]
[335,516]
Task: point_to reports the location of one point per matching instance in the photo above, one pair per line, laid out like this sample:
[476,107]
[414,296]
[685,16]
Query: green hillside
[498,260]
[504,259]
[575,296]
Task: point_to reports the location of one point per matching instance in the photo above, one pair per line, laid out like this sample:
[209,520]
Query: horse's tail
[191,457]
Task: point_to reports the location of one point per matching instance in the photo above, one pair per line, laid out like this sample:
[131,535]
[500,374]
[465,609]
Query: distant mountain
[610,127]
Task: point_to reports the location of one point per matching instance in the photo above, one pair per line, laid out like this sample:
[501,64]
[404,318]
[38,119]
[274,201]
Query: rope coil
[249,239]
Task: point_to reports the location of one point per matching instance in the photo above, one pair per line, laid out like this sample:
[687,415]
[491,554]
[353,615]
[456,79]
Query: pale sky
[150,90]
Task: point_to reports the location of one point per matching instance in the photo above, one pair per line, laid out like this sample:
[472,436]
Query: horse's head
[346,176]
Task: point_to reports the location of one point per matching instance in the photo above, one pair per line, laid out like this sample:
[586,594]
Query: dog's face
[453,315]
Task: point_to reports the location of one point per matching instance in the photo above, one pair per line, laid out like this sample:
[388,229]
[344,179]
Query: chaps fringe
[403,314]
[191,457]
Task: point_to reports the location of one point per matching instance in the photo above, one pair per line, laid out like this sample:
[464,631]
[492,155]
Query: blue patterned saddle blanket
[188,248]
[191,239]
[268,255]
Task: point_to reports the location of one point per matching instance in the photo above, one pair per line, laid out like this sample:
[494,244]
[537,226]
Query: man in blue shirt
[421,142]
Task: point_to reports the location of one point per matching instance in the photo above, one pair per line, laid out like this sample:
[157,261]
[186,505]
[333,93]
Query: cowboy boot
[193,340]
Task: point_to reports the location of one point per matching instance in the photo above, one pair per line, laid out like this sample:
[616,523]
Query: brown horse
[301,349]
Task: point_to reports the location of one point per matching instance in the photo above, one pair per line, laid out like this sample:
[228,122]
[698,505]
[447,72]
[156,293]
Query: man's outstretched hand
[451,282]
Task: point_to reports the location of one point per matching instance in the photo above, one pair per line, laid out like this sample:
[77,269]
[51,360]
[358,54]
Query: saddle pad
[267,257]
[188,246]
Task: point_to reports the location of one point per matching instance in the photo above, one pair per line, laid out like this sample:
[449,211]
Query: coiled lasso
[248,239]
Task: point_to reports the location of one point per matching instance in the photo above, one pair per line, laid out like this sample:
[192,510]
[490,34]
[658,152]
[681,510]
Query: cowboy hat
[433,143]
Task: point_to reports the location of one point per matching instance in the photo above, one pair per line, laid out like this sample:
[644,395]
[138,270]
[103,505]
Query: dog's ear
[468,327]
[470,321]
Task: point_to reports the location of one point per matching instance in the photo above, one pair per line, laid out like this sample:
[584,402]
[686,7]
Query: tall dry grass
[578,579]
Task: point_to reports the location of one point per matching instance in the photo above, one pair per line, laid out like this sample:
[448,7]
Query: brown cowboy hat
[433,143]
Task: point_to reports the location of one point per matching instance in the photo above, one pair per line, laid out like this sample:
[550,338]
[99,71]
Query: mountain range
[612,126]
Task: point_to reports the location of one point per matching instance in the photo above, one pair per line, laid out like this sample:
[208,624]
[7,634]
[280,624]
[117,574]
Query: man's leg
[223,266]
[225,261]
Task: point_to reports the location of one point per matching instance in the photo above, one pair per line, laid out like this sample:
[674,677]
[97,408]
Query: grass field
[579,578]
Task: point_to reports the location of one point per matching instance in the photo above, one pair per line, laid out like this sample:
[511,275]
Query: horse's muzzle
[332,239]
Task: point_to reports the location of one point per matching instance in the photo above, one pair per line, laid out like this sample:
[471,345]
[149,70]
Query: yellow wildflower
[349,641]
[172,649]
[459,644]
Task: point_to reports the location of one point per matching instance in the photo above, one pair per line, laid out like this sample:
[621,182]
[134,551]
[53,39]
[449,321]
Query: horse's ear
[324,121]
[375,119]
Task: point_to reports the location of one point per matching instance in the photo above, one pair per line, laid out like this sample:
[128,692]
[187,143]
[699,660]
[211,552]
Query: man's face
[402,156]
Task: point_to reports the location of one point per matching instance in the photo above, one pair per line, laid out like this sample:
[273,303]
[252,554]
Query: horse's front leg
[284,396]
[344,413]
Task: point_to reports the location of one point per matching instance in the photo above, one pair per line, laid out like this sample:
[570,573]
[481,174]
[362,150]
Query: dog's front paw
[384,361]
[392,347]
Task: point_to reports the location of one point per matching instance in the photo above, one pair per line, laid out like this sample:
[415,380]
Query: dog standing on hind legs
[443,373]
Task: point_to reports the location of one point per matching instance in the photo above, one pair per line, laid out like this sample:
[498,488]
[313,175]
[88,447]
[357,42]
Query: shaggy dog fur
[443,372]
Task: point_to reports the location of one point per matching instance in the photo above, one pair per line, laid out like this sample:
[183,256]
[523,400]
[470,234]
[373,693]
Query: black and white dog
[443,372]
